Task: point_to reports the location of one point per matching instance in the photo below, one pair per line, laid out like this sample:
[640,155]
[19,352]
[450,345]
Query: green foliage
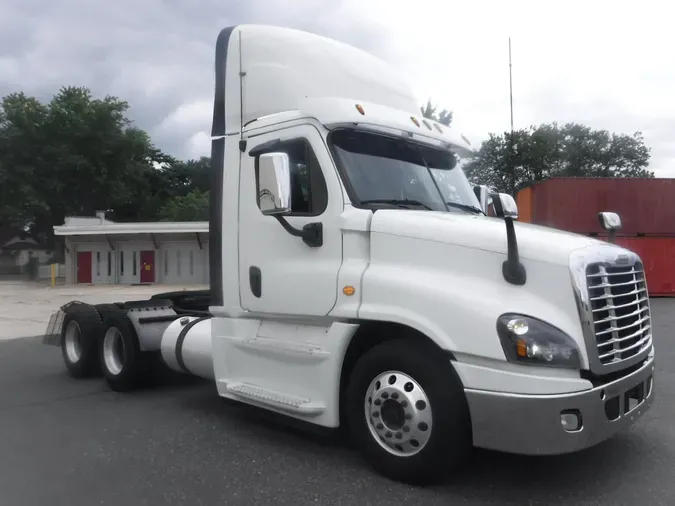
[78,154]
[185,187]
[21,145]
[509,162]
[74,155]
[429,111]
[191,207]
[182,178]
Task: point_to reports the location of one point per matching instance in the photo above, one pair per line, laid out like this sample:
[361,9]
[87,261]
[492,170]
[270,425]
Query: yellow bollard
[53,266]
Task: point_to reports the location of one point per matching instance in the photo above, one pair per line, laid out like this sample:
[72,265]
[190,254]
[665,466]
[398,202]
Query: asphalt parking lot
[75,443]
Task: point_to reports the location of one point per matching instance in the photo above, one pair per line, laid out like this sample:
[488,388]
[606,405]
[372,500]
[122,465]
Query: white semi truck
[356,280]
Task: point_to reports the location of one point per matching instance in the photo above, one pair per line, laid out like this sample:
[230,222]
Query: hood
[480,232]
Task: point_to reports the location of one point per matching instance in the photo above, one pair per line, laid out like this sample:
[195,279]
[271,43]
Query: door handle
[255,280]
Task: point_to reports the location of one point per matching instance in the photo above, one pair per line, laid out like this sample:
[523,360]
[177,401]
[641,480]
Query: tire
[80,334]
[199,300]
[435,438]
[123,364]
[104,308]
[182,293]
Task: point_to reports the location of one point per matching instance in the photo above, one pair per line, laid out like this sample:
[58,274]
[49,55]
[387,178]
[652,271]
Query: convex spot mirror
[610,221]
[504,205]
[274,184]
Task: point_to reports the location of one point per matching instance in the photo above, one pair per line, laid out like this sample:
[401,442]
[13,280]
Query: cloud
[606,64]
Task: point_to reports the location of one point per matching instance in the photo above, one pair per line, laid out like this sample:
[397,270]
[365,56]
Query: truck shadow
[572,479]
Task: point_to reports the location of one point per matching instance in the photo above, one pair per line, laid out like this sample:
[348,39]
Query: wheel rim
[113,350]
[73,342]
[398,413]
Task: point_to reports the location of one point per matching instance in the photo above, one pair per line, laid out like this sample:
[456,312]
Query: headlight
[526,340]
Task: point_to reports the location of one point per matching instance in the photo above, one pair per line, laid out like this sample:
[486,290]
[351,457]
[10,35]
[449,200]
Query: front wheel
[407,411]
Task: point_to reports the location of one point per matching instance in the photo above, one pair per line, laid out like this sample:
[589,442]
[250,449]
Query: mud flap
[54,328]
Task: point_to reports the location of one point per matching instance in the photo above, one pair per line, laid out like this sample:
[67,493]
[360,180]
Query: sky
[609,65]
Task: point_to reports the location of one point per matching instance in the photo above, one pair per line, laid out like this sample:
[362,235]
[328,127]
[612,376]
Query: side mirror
[512,269]
[505,206]
[274,184]
[483,195]
[610,222]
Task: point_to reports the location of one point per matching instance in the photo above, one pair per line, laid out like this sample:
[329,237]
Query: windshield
[397,172]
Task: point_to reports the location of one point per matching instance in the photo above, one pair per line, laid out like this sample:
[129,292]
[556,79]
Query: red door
[147,266]
[84,266]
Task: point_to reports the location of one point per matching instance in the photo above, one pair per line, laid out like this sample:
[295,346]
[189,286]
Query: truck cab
[339,250]
[357,279]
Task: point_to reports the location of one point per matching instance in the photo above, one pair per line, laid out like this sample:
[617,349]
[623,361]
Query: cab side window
[309,195]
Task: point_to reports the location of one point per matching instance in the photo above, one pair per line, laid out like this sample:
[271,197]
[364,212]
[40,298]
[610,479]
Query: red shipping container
[657,254]
[646,206]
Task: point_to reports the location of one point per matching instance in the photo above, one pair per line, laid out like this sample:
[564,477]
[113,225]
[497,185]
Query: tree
[21,143]
[73,156]
[192,207]
[512,161]
[183,177]
[429,111]
[186,186]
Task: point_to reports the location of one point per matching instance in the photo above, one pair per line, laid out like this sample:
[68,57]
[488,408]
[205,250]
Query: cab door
[278,272]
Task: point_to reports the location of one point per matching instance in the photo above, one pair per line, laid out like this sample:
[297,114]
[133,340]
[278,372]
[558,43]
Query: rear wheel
[79,341]
[113,351]
[103,309]
[123,364]
[407,411]
[72,342]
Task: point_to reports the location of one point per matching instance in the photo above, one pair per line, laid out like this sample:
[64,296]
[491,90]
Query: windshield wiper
[397,202]
[465,207]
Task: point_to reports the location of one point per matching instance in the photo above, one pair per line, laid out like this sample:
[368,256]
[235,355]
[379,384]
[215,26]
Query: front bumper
[531,424]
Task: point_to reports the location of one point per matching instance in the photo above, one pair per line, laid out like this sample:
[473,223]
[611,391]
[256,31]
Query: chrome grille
[619,305]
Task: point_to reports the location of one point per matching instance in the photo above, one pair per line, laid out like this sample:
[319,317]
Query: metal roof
[164,227]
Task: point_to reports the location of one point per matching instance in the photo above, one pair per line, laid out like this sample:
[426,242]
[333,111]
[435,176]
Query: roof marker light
[414,120]
[440,131]
[426,124]
[359,108]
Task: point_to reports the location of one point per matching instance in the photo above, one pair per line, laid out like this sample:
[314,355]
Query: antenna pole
[511,146]
[510,85]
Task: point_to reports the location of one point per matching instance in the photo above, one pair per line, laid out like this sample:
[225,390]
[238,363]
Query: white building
[100,251]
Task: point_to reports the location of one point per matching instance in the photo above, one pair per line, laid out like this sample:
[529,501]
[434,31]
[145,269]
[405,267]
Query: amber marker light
[521,348]
[349,290]
[414,120]
[359,108]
